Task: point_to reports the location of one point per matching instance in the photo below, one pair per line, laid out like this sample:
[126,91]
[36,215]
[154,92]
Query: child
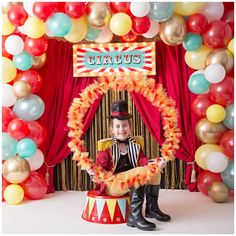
[123,153]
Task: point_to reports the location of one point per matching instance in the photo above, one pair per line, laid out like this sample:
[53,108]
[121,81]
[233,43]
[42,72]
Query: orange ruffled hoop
[152,92]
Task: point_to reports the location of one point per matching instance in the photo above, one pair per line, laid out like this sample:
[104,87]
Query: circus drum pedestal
[106,209]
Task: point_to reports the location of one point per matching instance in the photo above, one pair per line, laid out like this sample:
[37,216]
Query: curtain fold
[173,73]
[58,90]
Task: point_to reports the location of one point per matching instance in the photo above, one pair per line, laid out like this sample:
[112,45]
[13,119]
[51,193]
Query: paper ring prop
[154,93]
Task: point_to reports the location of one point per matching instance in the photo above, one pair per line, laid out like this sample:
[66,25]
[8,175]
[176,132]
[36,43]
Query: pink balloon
[36,161]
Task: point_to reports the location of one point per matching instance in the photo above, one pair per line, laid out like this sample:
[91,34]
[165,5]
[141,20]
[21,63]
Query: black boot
[152,208]
[136,218]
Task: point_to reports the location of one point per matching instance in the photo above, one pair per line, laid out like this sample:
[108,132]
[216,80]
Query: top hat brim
[121,117]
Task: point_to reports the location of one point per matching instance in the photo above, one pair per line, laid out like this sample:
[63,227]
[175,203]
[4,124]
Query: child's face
[120,129]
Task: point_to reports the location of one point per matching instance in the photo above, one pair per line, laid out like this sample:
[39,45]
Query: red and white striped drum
[104,209]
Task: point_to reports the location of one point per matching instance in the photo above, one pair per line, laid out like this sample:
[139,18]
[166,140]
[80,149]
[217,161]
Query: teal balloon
[92,34]
[192,42]
[59,24]
[8,146]
[23,61]
[198,84]
[29,108]
[161,11]
[229,118]
[26,148]
[228,175]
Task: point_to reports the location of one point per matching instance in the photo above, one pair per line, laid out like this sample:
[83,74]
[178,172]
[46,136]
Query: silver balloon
[29,108]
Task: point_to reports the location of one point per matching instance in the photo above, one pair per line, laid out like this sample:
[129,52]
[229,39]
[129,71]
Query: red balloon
[140,25]
[38,132]
[17,15]
[223,92]
[228,17]
[227,144]
[200,104]
[197,23]
[75,9]
[4,52]
[18,129]
[59,7]
[120,7]
[4,185]
[43,10]
[7,116]
[36,47]
[217,35]
[130,37]
[35,186]
[32,77]
[206,179]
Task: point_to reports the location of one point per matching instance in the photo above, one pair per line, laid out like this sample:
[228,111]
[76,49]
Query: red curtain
[173,73]
[58,90]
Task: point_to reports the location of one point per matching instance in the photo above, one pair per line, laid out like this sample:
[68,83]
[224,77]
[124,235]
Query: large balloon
[18,129]
[229,118]
[43,10]
[218,192]
[206,179]
[8,96]
[36,47]
[218,34]
[8,146]
[8,70]
[197,23]
[26,148]
[32,77]
[14,194]
[98,14]
[215,73]
[161,11]
[29,108]
[14,44]
[7,117]
[23,61]
[209,132]
[35,187]
[17,15]
[228,175]
[198,84]
[223,92]
[216,162]
[34,27]
[15,170]
[173,31]
[227,144]
[188,8]
[200,104]
[221,56]
[139,9]
[75,9]
[215,113]
[213,10]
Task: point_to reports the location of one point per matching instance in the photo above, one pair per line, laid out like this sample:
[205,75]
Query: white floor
[60,213]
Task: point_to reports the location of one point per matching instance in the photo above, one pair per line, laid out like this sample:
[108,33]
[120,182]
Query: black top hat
[120,110]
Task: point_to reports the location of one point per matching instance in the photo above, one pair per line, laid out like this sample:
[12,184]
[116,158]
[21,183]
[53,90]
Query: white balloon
[213,11]
[14,44]
[139,9]
[28,5]
[36,161]
[216,162]
[8,96]
[105,36]
[153,30]
[215,73]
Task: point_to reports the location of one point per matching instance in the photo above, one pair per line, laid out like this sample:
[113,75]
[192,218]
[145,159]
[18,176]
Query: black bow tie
[123,141]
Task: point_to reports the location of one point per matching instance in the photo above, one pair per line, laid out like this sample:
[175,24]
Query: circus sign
[110,58]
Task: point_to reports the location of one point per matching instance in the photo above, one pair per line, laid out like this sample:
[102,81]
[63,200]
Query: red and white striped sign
[107,59]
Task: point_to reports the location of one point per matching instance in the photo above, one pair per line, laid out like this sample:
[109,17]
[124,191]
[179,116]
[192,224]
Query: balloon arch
[204,29]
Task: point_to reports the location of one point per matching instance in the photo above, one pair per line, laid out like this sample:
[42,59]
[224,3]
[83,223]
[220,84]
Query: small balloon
[188,8]
[105,36]
[216,162]
[8,96]
[92,34]
[215,113]
[17,15]
[218,192]
[26,147]
[215,73]
[7,117]
[229,118]
[228,175]
[213,10]
[23,61]
[21,89]
[192,42]
[75,9]
[39,61]
[36,161]
[8,70]
[198,84]
[153,30]
[227,144]
[14,194]
[197,23]
[139,9]
[8,146]
[36,47]
[7,27]
[15,170]
[34,27]
[231,46]
[18,129]
[14,44]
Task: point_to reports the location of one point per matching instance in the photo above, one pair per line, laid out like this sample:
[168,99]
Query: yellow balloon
[8,70]
[188,8]
[203,152]
[231,46]
[120,24]
[215,113]
[14,194]
[7,27]
[34,27]
[197,59]
[78,30]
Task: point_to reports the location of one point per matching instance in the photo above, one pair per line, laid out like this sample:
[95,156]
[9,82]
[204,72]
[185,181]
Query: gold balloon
[173,31]
[221,56]
[209,132]
[218,192]
[21,88]
[98,14]
[39,62]
[16,170]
